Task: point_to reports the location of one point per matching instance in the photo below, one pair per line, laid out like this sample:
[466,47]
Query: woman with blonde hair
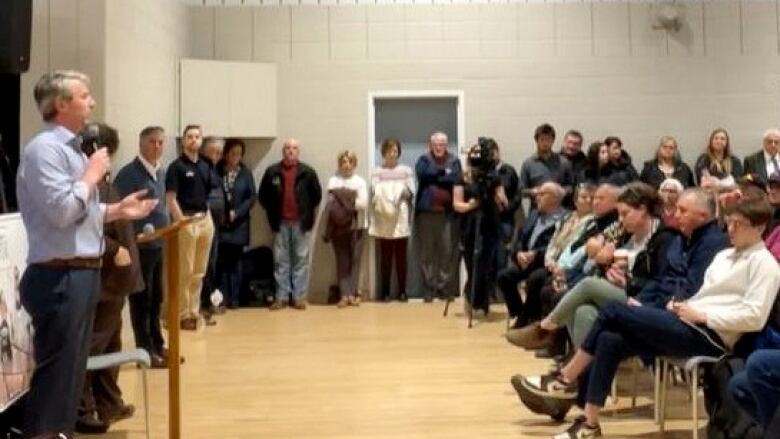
[716,168]
[346,224]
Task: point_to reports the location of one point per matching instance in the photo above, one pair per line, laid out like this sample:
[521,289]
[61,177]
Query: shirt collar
[150,168]
[64,135]
[753,248]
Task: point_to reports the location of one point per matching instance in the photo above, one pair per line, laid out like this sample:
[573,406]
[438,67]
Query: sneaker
[343,302]
[554,408]
[550,385]
[579,430]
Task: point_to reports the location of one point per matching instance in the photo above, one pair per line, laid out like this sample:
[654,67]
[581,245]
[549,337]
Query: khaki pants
[194,248]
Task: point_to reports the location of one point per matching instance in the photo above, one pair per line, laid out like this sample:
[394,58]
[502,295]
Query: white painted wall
[66,34]
[596,66]
[145,39]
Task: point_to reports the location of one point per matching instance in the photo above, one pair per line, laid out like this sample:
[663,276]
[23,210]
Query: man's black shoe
[158,362]
[89,424]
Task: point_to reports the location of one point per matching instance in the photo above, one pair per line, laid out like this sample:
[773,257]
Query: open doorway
[411,117]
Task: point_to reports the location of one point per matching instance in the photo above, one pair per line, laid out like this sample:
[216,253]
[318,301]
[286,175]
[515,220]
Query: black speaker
[15,24]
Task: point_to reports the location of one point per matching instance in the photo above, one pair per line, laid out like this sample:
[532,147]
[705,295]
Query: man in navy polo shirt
[187,184]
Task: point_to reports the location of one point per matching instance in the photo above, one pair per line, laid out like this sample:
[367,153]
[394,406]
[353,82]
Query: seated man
[756,386]
[736,297]
[529,250]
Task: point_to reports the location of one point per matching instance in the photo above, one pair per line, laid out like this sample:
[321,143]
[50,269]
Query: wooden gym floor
[377,371]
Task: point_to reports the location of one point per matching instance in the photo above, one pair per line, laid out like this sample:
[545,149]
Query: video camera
[483,160]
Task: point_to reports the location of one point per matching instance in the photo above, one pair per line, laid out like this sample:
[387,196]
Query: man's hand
[499,197]
[232,215]
[688,314]
[633,302]
[594,245]
[122,257]
[617,276]
[605,255]
[98,165]
[524,259]
[134,207]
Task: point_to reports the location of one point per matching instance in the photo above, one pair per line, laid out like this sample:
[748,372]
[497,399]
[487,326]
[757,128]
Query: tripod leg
[475,263]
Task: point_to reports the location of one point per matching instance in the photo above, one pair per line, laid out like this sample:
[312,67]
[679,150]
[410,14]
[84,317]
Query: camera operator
[481,198]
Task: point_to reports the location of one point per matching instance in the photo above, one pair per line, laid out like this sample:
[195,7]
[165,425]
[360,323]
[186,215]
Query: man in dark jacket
[437,230]
[290,193]
[101,401]
[767,161]
[571,148]
[146,172]
[528,254]
[689,256]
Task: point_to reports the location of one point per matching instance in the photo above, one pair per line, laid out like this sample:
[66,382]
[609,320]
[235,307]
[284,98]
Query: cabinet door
[253,100]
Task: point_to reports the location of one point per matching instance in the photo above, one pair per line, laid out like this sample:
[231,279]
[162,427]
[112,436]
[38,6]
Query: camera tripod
[476,254]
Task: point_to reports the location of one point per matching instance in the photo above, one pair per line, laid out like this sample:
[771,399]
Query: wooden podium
[170,234]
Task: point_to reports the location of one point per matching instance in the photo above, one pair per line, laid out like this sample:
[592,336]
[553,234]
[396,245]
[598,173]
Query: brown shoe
[189,323]
[124,412]
[277,305]
[354,300]
[343,302]
[299,304]
[530,336]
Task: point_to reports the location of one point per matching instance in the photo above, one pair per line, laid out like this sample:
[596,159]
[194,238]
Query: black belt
[77,263]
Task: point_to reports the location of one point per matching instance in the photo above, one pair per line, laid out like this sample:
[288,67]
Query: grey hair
[704,199]
[611,188]
[772,132]
[53,86]
[673,183]
[212,140]
[559,191]
[439,134]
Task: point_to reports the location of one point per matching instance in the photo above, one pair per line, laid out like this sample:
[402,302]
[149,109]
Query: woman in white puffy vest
[393,187]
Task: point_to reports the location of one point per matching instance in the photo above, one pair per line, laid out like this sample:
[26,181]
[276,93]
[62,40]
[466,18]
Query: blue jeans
[756,386]
[62,304]
[291,261]
[622,331]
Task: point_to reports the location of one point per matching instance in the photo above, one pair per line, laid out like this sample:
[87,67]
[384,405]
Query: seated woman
[346,215]
[669,192]
[717,169]
[736,298]
[633,264]
[667,164]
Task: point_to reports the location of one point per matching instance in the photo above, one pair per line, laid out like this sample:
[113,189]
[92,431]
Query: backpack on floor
[727,418]
[258,287]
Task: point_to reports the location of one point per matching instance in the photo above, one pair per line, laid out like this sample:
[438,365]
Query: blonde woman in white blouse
[393,187]
[348,241]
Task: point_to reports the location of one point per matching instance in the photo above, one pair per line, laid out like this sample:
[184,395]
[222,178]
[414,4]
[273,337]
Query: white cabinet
[236,99]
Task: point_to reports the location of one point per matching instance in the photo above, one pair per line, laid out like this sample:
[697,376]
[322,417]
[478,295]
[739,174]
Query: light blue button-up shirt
[63,220]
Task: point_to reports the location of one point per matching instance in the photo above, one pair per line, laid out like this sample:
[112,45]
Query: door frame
[373,96]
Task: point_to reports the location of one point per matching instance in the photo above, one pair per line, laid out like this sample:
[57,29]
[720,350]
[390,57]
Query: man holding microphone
[61,210]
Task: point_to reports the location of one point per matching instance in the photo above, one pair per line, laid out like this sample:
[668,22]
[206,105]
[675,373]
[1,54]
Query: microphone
[148,229]
[90,137]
